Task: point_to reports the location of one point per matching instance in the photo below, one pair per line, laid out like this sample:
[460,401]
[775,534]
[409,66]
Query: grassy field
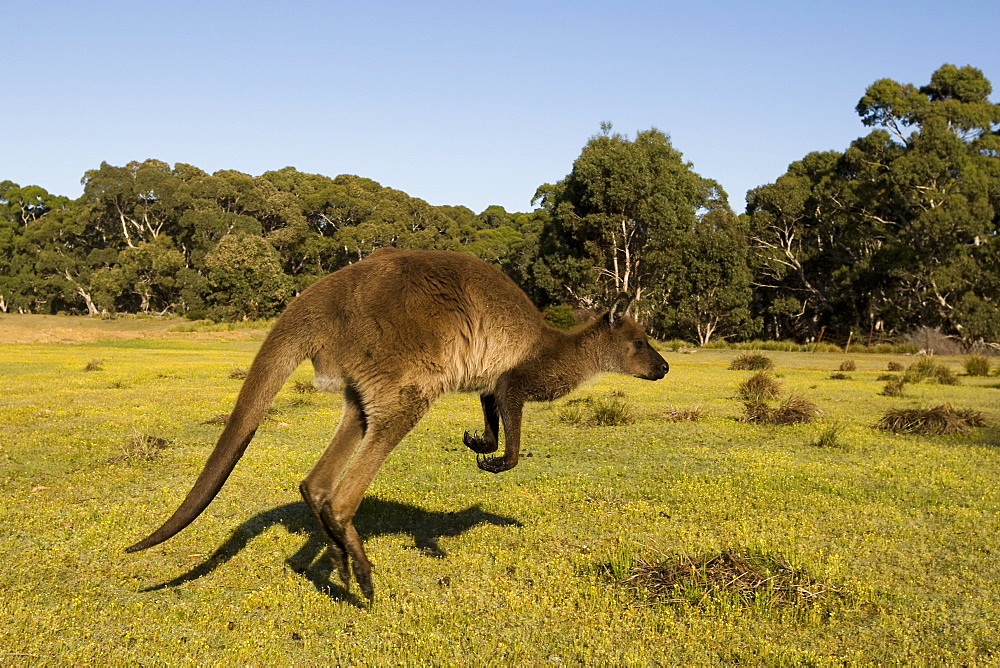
[900,532]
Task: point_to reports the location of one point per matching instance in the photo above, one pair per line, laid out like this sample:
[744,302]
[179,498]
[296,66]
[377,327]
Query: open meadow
[600,547]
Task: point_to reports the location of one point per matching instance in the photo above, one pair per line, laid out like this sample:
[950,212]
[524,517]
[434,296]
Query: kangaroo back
[277,358]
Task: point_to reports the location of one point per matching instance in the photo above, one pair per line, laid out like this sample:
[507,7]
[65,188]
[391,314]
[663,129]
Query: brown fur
[397,330]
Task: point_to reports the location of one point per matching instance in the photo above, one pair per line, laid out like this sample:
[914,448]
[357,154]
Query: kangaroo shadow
[375,517]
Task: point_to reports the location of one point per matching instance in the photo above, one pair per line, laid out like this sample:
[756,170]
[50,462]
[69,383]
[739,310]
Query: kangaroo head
[627,348]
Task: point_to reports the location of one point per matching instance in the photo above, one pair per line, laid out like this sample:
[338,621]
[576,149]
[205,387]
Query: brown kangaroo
[397,330]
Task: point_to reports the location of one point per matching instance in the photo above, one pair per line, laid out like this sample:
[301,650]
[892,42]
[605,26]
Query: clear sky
[467,103]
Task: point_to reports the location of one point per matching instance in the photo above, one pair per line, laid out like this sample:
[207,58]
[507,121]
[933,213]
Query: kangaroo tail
[278,357]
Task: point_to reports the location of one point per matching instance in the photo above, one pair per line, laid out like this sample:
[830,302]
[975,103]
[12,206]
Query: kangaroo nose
[665,368]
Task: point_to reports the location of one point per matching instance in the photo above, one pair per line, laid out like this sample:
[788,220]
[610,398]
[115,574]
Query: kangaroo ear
[618,308]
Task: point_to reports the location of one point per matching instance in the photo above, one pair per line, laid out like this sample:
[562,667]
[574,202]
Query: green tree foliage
[246,280]
[900,230]
[897,232]
[633,217]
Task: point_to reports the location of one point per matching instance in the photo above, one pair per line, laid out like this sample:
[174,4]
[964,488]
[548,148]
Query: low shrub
[894,387]
[759,387]
[896,366]
[612,411]
[926,368]
[945,376]
[848,365]
[561,316]
[938,420]
[920,370]
[977,365]
[839,376]
[751,362]
[795,409]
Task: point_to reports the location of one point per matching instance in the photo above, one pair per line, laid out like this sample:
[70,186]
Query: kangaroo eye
[639,344]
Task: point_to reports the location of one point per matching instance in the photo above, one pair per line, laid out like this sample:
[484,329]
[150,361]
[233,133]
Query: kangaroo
[395,331]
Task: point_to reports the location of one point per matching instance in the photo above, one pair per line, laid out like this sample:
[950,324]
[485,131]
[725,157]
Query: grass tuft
[239,373]
[612,411]
[829,436]
[94,365]
[759,387]
[977,365]
[938,420]
[895,366]
[848,365]
[677,414]
[793,410]
[304,388]
[751,362]
[945,376]
[734,578]
[894,386]
[141,448]
[839,376]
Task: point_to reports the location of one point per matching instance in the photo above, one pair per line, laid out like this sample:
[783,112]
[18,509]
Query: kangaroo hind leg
[346,439]
[334,487]
[489,441]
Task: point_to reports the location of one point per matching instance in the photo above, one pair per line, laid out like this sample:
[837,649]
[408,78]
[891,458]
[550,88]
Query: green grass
[497,569]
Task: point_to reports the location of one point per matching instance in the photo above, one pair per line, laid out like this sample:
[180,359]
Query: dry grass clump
[977,365]
[839,376]
[239,373]
[751,362]
[676,414]
[895,366]
[734,577]
[94,365]
[793,410]
[141,448]
[848,365]
[894,386]
[759,387]
[938,420]
[304,388]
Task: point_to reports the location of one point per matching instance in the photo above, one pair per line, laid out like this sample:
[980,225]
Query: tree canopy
[896,232]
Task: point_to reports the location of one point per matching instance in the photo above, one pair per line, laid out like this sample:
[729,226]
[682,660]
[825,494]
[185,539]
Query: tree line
[897,232]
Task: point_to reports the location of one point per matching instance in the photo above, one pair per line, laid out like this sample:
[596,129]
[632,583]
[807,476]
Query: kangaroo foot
[363,576]
[479,444]
[494,464]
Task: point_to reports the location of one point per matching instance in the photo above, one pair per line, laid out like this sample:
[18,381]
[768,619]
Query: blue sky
[467,103]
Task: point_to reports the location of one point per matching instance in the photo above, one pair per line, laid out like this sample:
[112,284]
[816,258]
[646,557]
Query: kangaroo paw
[479,444]
[494,464]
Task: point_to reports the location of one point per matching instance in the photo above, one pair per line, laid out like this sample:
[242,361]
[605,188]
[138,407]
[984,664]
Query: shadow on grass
[375,517]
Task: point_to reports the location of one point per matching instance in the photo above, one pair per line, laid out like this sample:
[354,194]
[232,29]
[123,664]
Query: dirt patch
[32,328]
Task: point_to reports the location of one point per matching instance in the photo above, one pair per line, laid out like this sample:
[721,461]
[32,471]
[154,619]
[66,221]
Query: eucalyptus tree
[629,218]
[895,232]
